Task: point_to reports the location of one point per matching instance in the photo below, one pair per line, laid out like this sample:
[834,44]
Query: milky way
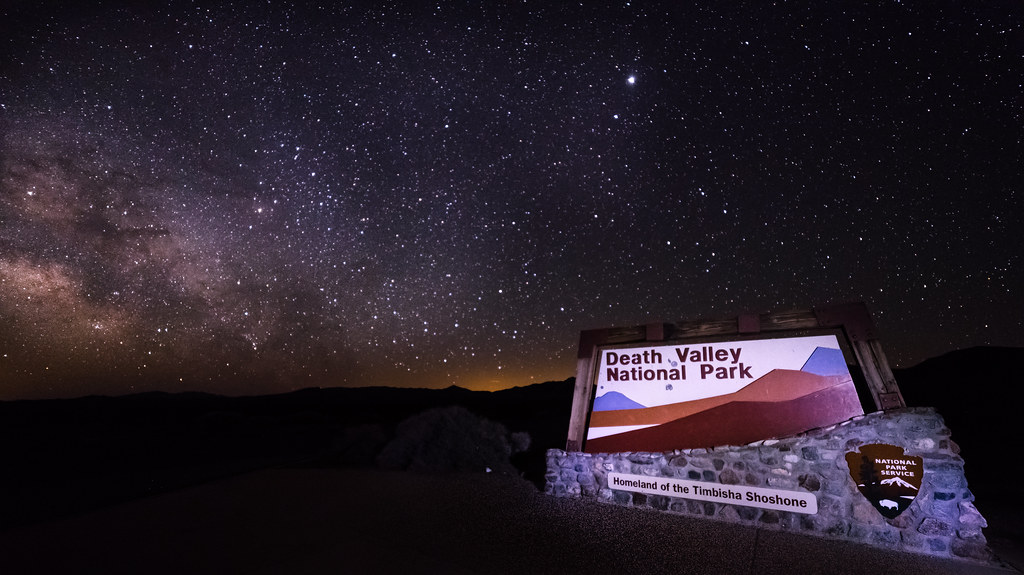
[212,196]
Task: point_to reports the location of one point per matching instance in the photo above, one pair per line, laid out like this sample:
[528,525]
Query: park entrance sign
[745,420]
[661,387]
[725,393]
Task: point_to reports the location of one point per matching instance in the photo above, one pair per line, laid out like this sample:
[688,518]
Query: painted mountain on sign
[613,401]
[826,361]
[782,402]
[777,385]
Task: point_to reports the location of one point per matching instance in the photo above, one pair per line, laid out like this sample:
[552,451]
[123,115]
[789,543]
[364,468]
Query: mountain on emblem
[886,476]
[899,482]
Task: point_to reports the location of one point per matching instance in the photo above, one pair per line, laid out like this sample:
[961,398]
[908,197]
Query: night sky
[248,199]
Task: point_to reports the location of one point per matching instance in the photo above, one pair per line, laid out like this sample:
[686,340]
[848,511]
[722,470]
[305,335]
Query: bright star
[631,79]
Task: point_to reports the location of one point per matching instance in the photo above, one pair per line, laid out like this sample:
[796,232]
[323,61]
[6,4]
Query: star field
[254,199]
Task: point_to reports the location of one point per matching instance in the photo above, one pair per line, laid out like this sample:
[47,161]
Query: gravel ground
[366,521]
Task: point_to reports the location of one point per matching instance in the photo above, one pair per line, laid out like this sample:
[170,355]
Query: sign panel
[764,498]
[684,395]
[887,477]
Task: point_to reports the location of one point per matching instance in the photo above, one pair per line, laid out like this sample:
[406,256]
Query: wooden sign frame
[851,319]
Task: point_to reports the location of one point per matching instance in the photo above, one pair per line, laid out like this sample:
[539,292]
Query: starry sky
[248,198]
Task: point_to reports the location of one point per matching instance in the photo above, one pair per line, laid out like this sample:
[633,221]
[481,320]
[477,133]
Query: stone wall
[941,520]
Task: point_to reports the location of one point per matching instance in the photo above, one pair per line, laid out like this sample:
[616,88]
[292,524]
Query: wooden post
[856,322]
[586,357]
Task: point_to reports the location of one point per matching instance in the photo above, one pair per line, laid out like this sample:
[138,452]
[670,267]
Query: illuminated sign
[684,395]
[764,498]
[887,477]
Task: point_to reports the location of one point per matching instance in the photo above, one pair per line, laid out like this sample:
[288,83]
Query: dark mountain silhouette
[977,377]
[975,390]
[72,455]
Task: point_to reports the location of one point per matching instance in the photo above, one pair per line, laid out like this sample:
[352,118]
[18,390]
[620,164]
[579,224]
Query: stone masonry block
[942,520]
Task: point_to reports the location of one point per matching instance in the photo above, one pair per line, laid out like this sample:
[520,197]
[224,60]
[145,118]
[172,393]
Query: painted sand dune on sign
[739,423]
[776,385]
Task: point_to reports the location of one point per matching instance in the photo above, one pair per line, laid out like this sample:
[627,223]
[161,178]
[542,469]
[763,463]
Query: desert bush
[451,439]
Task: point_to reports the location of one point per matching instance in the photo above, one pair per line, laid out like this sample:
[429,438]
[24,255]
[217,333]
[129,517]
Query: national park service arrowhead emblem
[889,479]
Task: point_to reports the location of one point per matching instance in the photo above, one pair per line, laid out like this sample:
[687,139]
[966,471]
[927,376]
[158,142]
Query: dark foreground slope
[369,521]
